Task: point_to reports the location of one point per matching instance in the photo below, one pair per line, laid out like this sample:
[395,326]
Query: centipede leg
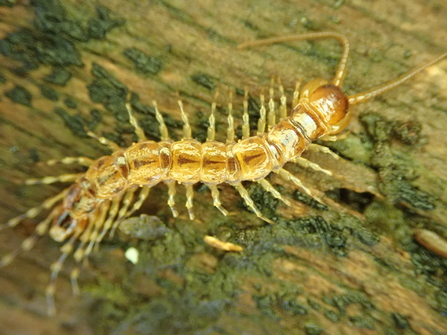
[33,212]
[286,175]
[123,214]
[262,115]
[308,164]
[269,188]
[216,200]
[65,178]
[187,133]
[97,227]
[296,94]
[320,148]
[189,201]
[29,242]
[84,161]
[249,201]
[171,195]
[282,102]
[164,134]
[140,200]
[138,130]
[271,115]
[112,145]
[245,116]
[125,204]
[113,212]
[230,119]
[56,267]
[211,133]
[79,254]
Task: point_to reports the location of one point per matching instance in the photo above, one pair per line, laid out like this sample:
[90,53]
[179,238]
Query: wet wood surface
[315,271]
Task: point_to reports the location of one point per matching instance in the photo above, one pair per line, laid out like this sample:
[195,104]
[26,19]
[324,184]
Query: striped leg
[122,214]
[320,148]
[138,130]
[271,116]
[32,212]
[216,200]
[84,161]
[230,129]
[140,200]
[187,133]
[29,242]
[164,134]
[112,145]
[65,178]
[56,267]
[211,133]
[113,212]
[245,117]
[171,195]
[249,201]
[262,113]
[286,175]
[189,200]
[308,164]
[296,94]
[269,188]
[283,102]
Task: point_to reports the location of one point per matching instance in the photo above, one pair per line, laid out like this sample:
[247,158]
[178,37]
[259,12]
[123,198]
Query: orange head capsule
[328,102]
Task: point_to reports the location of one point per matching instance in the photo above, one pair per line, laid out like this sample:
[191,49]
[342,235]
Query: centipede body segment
[115,186]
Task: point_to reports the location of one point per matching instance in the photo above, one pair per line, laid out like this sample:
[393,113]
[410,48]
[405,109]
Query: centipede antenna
[133,121]
[230,129]
[341,70]
[262,114]
[211,134]
[187,134]
[363,96]
[271,116]
[245,116]
[164,134]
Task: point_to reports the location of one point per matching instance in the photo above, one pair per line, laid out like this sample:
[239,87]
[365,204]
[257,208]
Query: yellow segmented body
[102,197]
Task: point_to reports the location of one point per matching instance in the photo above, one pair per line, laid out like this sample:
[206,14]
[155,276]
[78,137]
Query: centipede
[115,186]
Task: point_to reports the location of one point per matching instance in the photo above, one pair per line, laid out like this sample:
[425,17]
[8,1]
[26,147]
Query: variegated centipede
[102,197]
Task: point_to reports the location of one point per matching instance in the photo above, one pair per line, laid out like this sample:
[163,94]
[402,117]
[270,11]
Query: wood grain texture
[314,272]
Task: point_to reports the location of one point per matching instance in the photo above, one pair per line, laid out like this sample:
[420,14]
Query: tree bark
[66,65]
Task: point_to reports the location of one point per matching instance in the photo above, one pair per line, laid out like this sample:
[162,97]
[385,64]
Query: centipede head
[330,102]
